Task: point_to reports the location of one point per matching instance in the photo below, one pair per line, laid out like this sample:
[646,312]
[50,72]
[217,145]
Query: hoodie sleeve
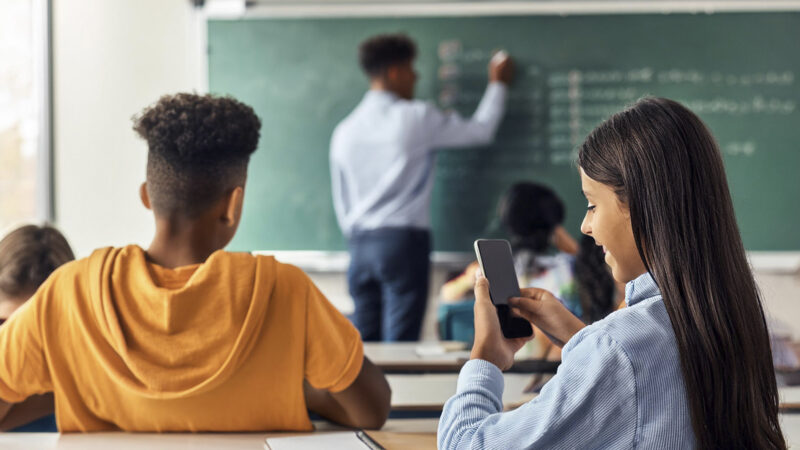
[23,366]
[333,349]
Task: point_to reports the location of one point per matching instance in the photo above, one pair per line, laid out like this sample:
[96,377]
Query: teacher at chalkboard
[382,160]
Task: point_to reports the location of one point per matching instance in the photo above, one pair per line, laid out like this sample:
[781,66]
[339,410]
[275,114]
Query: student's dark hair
[530,212]
[28,255]
[665,166]
[596,287]
[199,147]
[378,53]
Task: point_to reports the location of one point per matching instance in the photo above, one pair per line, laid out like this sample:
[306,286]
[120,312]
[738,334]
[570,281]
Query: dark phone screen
[498,267]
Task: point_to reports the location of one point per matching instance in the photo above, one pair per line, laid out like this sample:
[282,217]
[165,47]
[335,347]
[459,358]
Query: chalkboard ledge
[775,262]
[787,262]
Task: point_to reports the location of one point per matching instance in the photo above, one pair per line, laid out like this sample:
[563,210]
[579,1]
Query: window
[25,174]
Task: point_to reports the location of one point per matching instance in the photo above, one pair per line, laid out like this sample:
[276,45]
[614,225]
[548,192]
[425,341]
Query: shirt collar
[381,94]
[641,288]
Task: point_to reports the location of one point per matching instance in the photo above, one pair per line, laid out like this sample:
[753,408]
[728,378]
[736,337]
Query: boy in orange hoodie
[185,336]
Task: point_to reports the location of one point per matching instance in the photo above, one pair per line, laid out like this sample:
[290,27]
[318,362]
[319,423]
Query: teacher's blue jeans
[388,280]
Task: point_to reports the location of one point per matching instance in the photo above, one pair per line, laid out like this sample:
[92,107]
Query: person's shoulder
[76,269]
[595,345]
[287,276]
[419,108]
[642,328]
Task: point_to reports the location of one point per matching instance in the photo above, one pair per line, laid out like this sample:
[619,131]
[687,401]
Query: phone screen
[498,267]
[494,256]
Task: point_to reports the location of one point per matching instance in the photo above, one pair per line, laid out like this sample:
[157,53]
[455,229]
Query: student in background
[382,160]
[687,364]
[533,215]
[28,255]
[184,336]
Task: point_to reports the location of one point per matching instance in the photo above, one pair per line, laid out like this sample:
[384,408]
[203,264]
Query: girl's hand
[542,309]
[490,344]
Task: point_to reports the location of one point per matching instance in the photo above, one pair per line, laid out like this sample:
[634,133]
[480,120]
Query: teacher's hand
[542,309]
[490,344]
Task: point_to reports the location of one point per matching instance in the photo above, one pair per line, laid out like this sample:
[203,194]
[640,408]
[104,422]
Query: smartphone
[494,257]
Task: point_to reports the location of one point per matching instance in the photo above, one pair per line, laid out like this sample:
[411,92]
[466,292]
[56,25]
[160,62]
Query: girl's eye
[591,208]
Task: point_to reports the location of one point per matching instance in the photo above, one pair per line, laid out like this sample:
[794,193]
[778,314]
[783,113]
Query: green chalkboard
[736,70]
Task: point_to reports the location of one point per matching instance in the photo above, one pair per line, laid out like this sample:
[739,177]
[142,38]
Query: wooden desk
[429,392]
[402,357]
[396,434]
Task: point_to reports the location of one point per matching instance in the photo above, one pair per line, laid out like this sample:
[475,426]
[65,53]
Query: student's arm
[448,130]
[590,402]
[33,408]
[457,288]
[341,384]
[564,242]
[5,407]
[364,404]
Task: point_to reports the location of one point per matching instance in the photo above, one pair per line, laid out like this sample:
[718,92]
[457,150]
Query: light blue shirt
[619,385]
[382,157]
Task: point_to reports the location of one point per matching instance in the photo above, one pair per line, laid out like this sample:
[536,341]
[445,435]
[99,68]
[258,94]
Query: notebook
[345,440]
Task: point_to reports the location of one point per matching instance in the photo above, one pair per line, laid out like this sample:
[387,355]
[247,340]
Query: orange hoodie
[219,346]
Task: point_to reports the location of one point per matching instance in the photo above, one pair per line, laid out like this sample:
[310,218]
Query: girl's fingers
[481,289]
[534,293]
[525,304]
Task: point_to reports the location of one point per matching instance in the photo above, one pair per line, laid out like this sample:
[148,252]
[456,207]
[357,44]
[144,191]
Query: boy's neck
[181,243]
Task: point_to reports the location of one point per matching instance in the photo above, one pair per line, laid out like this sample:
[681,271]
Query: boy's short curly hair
[378,53]
[199,147]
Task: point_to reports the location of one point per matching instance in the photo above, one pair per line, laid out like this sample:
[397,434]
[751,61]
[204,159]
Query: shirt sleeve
[339,193]
[334,351]
[589,403]
[449,129]
[23,366]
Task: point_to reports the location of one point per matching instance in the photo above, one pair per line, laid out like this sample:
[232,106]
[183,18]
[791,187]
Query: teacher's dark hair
[664,164]
[380,52]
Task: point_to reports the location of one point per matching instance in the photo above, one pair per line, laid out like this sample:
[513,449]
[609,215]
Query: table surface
[407,357]
[429,392]
[397,434]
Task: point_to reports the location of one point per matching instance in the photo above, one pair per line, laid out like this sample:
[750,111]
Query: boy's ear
[391,73]
[144,195]
[233,209]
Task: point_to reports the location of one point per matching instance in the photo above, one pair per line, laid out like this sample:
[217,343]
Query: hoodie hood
[172,333]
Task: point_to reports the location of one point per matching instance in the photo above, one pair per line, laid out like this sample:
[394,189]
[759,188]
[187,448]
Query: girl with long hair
[688,362]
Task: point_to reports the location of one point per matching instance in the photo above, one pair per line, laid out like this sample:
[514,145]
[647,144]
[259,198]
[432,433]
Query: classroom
[399,224]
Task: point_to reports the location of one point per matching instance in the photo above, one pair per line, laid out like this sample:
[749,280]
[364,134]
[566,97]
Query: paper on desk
[344,440]
[445,348]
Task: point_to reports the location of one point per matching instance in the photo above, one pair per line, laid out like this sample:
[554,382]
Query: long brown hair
[663,162]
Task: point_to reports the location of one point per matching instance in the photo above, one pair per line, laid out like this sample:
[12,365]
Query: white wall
[111,59]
